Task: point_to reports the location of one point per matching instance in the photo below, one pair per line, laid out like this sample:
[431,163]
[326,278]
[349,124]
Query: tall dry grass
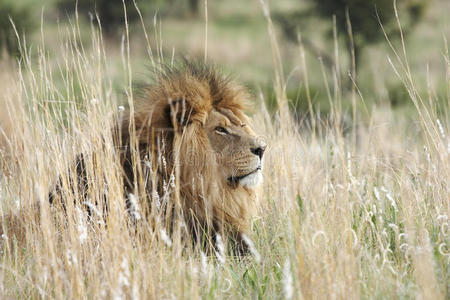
[355,213]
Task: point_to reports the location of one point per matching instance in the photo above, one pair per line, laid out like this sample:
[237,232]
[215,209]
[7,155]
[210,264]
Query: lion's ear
[179,113]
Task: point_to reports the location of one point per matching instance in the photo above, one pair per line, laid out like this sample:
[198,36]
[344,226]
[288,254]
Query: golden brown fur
[189,128]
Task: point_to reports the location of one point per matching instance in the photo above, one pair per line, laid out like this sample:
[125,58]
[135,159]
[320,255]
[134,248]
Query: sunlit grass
[348,209]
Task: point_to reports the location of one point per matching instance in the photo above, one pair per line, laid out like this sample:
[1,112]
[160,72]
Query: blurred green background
[239,42]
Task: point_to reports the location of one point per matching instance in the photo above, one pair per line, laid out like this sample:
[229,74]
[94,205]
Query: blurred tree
[362,14]
[21,13]
[194,6]
[110,12]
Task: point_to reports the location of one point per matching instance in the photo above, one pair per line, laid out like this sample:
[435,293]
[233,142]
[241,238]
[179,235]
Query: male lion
[190,125]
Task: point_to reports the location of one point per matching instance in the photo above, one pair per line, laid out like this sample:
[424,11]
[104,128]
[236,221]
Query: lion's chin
[252,180]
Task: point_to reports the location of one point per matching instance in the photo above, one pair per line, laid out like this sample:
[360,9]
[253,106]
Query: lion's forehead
[248,129]
[230,117]
[238,120]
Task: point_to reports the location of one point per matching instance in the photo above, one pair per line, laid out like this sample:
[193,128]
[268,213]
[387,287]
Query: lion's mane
[165,124]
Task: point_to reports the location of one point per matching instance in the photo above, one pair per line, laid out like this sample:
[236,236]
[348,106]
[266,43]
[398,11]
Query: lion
[190,126]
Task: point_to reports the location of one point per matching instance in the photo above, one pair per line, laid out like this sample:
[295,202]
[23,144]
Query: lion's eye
[221,130]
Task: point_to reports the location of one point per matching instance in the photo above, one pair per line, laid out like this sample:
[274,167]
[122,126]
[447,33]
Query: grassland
[355,202]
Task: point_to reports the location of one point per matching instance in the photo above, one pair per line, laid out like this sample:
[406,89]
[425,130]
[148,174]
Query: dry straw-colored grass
[363,214]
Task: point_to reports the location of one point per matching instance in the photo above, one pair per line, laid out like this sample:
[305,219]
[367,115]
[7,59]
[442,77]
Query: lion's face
[238,150]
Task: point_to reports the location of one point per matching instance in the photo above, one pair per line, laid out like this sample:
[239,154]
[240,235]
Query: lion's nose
[258,151]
